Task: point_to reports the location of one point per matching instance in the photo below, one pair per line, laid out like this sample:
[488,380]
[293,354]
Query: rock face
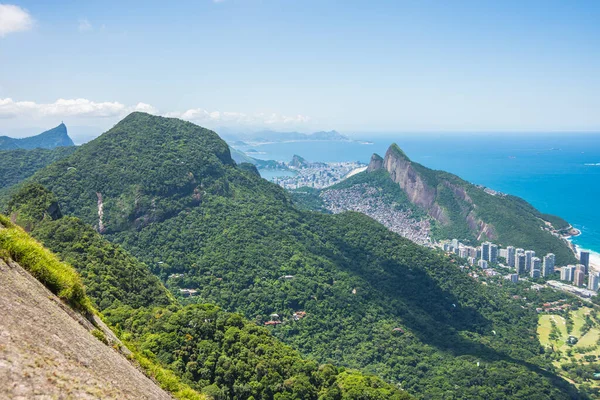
[298,162]
[403,172]
[375,163]
[423,187]
[48,351]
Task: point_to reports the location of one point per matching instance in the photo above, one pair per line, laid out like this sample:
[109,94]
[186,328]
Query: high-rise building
[579,277]
[593,280]
[567,273]
[584,258]
[510,256]
[483,264]
[514,278]
[493,254]
[502,253]
[485,251]
[529,254]
[548,267]
[536,266]
[520,263]
[463,252]
[455,243]
[447,246]
[479,253]
[472,251]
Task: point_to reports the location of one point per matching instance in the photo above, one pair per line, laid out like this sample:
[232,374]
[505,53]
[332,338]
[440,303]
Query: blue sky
[368,66]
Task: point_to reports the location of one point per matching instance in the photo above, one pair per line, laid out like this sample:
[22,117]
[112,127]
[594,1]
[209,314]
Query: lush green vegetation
[374,301]
[57,276]
[173,166]
[17,165]
[227,357]
[187,350]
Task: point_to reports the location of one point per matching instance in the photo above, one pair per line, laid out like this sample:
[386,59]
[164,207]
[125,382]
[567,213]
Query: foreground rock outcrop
[47,350]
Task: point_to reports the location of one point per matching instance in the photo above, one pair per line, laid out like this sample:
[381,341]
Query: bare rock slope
[47,350]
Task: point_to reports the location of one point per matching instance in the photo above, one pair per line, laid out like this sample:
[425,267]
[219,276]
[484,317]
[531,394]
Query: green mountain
[168,192]
[17,165]
[188,349]
[454,208]
[55,137]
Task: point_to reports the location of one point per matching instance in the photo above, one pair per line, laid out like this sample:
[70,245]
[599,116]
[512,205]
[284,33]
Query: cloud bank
[84,108]
[14,19]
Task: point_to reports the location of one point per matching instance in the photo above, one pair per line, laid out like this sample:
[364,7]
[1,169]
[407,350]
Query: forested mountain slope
[17,165]
[55,137]
[188,349]
[169,193]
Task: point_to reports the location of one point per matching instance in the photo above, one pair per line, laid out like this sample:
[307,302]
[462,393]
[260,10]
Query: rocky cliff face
[402,171]
[47,350]
[424,191]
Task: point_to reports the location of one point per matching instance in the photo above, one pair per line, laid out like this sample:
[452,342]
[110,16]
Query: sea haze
[557,173]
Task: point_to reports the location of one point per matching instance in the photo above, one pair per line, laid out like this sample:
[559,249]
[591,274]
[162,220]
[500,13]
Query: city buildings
[520,264]
[493,253]
[548,267]
[536,267]
[567,273]
[510,256]
[579,277]
[483,264]
[485,251]
[593,280]
[529,254]
[584,259]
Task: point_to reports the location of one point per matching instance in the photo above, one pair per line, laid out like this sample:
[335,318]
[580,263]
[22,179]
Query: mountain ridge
[469,213]
[52,138]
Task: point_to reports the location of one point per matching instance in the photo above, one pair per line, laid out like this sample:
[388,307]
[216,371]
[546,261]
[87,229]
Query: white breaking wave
[592,164]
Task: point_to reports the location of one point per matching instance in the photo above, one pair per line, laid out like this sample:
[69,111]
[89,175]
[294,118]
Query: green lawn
[589,339]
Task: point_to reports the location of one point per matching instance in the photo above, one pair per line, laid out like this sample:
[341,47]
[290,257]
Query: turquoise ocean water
[557,173]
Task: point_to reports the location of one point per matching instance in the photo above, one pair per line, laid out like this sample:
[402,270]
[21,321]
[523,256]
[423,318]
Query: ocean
[557,173]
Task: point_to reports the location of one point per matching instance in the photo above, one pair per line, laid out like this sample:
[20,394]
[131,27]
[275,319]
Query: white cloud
[60,108]
[84,108]
[14,19]
[200,115]
[147,108]
[85,25]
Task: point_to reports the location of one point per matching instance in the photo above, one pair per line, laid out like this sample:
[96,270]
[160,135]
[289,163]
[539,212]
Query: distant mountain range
[55,137]
[241,139]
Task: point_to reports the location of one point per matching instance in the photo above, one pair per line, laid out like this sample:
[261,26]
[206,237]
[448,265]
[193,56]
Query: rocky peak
[375,163]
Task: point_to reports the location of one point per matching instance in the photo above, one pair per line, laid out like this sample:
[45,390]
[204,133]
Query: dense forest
[216,353]
[17,165]
[170,195]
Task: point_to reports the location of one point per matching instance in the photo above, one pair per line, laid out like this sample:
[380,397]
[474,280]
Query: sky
[353,66]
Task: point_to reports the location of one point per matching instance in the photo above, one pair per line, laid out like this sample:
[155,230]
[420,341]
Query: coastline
[594,256]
